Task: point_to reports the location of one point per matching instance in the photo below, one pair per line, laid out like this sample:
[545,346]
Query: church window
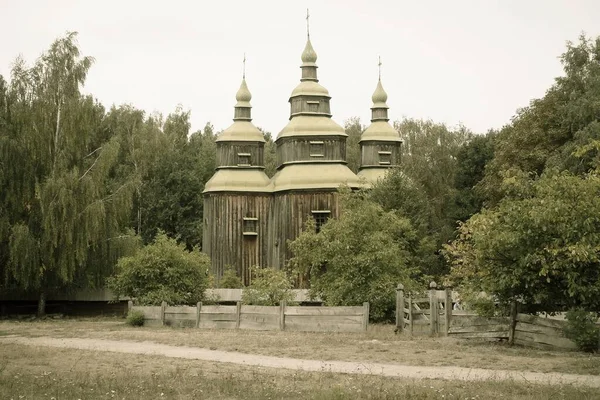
[244,159]
[250,227]
[317,148]
[320,216]
[313,106]
[385,157]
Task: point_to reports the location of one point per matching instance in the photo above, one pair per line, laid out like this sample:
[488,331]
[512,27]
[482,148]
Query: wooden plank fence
[282,317]
[434,315]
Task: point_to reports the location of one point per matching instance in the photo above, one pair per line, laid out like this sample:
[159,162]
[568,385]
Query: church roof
[380,128]
[242,129]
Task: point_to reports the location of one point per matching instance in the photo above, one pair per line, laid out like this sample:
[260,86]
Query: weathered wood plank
[320,319]
[541,329]
[218,309]
[479,328]
[259,322]
[180,310]
[333,311]
[217,324]
[541,339]
[218,317]
[324,326]
[150,312]
[475,320]
[532,319]
[260,310]
[180,316]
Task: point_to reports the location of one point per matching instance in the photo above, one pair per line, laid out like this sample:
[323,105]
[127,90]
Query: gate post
[400,308]
[433,309]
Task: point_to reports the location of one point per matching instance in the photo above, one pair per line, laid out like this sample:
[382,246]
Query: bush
[135,318]
[230,280]
[269,287]
[582,329]
[162,271]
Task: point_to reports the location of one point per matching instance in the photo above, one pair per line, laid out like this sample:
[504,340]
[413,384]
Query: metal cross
[307,26]
[379,65]
[244,74]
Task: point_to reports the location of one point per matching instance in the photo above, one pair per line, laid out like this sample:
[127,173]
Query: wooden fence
[283,317]
[434,315]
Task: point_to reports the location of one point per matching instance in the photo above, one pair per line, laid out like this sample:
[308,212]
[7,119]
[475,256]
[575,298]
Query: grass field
[47,373]
[379,344]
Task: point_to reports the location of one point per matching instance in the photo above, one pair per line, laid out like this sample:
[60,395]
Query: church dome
[379,96]
[309,56]
[243,94]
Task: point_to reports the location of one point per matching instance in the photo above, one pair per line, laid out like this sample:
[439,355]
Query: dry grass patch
[379,344]
[46,373]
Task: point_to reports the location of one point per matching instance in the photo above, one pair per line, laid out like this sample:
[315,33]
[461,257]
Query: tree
[270,158]
[354,130]
[60,205]
[541,245]
[162,271]
[555,131]
[361,256]
[471,159]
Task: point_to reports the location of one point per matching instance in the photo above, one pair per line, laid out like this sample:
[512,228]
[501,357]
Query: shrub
[582,329]
[135,318]
[162,271]
[268,287]
[230,280]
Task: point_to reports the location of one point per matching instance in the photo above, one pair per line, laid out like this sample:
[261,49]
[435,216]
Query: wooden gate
[424,314]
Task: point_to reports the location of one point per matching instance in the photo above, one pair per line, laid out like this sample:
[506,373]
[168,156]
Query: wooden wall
[541,333]
[288,215]
[464,325]
[370,153]
[227,153]
[223,228]
[291,149]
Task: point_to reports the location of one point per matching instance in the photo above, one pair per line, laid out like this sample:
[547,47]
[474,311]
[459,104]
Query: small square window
[244,159]
[385,157]
[321,217]
[250,227]
[313,106]
[317,149]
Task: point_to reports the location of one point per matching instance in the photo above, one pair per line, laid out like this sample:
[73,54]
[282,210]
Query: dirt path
[403,371]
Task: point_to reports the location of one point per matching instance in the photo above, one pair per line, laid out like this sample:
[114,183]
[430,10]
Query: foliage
[230,279]
[270,158]
[162,271]
[354,130]
[541,245]
[268,287]
[359,257]
[135,318]
[583,330]
[560,130]
[62,208]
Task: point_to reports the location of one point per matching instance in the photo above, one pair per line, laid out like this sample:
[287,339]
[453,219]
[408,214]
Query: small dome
[379,95]
[243,95]
[309,88]
[308,55]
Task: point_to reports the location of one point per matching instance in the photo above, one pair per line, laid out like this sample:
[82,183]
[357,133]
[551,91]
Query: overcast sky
[472,62]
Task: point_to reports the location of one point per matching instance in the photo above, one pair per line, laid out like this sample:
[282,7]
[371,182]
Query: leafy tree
[270,154]
[359,257]
[471,159]
[230,279]
[354,130]
[556,131]
[268,287]
[60,205]
[541,245]
[162,271]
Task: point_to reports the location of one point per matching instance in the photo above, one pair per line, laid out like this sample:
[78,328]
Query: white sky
[472,61]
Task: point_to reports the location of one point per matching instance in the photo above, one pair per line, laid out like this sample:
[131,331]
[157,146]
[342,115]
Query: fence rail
[283,317]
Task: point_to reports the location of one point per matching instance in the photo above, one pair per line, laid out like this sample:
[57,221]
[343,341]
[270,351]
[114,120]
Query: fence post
[129,306]
[410,315]
[238,314]
[198,310]
[282,315]
[366,316]
[163,308]
[513,322]
[433,311]
[448,309]
[400,308]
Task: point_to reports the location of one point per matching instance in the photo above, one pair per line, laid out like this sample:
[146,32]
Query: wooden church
[249,217]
